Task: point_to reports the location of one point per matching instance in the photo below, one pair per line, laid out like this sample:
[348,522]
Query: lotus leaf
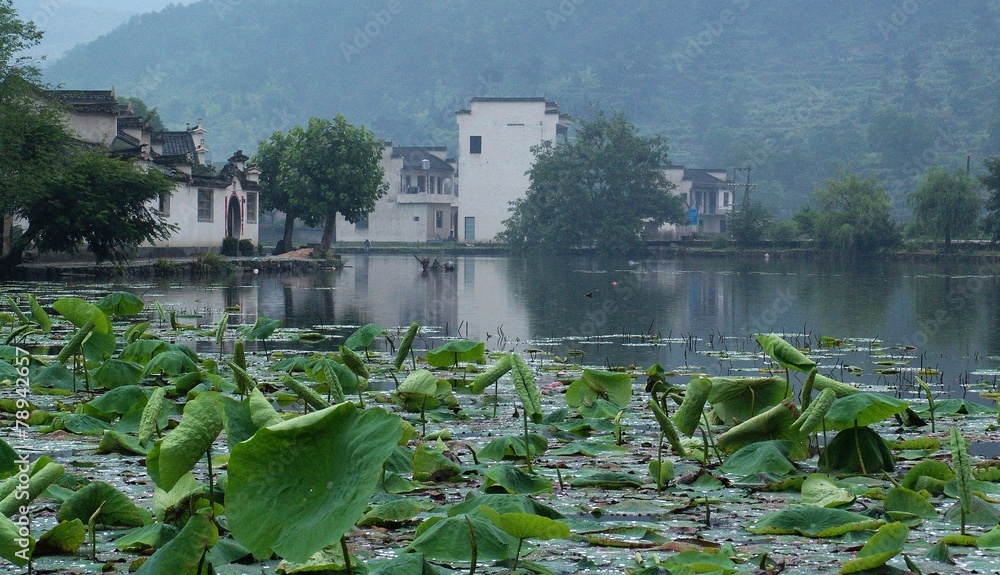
[601,409]
[117,509]
[507,447]
[812,417]
[80,424]
[507,478]
[55,376]
[261,329]
[40,316]
[298,486]
[290,364]
[822,382]
[737,399]
[595,384]
[963,473]
[178,452]
[862,409]
[455,351]
[606,480]
[491,375]
[407,564]
[821,491]
[406,344]
[909,501]
[115,373]
[8,458]
[398,511]
[120,303]
[939,552]
[841,455]
[990,540]
[527,390]
[142,350]
[63,539]
[813,521]
[979,513]
[927,468]
[959,406]
[504,503]
[184,552]
[363,337]
[419,384]
[120,401]
[662,471]
[700,562]
[784,353]
[170,363]
[885,544]
[688,416]
[432,465]
[80,312]
[760,457]
[527,525]
[227,551]
[12,544]
[115,442]
[448,539]
[774,423]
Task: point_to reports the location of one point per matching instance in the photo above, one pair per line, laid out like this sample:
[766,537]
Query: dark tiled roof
[175,143]
[88,101]
[173,159]
[210,182]
[123,140]
[131,122]
[702,177]
[413,159]
[230,171]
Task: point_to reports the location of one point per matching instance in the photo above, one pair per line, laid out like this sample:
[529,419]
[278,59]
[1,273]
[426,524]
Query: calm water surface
[620,312]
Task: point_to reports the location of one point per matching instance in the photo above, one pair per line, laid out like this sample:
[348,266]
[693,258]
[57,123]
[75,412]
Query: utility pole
[746,189]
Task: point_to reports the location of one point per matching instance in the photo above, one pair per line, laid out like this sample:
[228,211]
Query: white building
[708,197]
[421,204]
[205,206]
[495,138]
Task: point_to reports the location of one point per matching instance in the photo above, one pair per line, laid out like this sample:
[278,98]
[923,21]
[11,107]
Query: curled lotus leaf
[784,353]
[862,409]
[736,399]
[813,521]
[885,544]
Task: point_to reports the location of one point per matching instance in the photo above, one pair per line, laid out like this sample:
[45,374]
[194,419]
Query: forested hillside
[794,88]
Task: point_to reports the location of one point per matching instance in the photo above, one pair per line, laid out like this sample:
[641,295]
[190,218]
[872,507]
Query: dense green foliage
[750,224]
[854,216]
[326,168]
[945,204]
[888,90]
[991,180]
[601,190]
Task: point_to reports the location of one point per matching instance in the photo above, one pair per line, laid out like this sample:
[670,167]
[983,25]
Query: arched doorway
[234,219]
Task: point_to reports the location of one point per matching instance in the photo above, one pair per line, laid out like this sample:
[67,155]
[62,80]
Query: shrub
[247,248]
[230,246]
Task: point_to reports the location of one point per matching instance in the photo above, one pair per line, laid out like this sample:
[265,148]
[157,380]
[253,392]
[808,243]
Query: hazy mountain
[794,88]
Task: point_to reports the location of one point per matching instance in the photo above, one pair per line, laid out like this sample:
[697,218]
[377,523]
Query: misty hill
[794,88]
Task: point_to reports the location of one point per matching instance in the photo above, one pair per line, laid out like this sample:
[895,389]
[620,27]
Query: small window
[440,186]
[164,204]
[251,207]
[420,184]
[206,205]
[470,228]
[725,198]
[362,223]
[475,144]
[416,218]
[439,219]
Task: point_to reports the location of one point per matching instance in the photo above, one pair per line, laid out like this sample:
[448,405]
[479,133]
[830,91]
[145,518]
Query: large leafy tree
[324,169]
[991,180]
[750,224]
[271,153]
[854,216]
[601,190]
[945,204]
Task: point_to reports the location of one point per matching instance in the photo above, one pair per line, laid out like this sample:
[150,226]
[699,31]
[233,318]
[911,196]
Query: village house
[421,204]
[205,206]
[496,137]
[708,196]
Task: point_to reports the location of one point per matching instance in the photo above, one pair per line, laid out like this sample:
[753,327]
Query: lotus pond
[569,416]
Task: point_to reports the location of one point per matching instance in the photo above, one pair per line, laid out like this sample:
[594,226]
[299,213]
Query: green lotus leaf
[418,384]
[8,458]
[601,410]
[862,409]
[184,552]
[526,388]
[594,384]
[979,513]
[117,509]
[12,546]
[606,480]
[55,376]
[406,344]
[142,350]
[363,336]
[121,303]
[115,442]
[40,316]
[178,452]
[909,501]
[760,457]
[121,400]
[813,521]
[455,351]
[507,447]
[784,353]
[700,562]
[927,468]
[166,504]
[81,424]
[688,416]
[297,486]
[407,564]
[527,525]
[504,503]
[841,454]
[959,406]
[510,479]
[822,382]
[662,472]
[80,312]
[885,544]
[812,417]
[963,472]
[115,373]
[170,363]
[821,491]
[939,552]
[775,423]
[398,511]
[291,364]
[262,328]
[737,399]
[448,539]
[989,540]
[491,375]
[431,465]
[63,539]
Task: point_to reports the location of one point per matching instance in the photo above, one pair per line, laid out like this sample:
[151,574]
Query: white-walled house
[420,205]
[495,137]
[708,196]
[205,206]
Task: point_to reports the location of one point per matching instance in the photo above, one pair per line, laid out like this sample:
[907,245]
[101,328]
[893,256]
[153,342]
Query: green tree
[92,199]
[152,115]
[601,190]
[325,168]
[750,224]
[945,204]
[274,193]
[854,216]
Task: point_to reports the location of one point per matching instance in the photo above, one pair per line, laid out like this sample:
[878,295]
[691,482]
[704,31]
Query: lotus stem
[347,555]
[527,446]
[475,550]
[857,448]
[211,487]
[708,431]
[659,465]
[517,554]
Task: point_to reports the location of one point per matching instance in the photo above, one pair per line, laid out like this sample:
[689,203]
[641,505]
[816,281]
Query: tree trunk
[15,256]
[329,230]
[286,239]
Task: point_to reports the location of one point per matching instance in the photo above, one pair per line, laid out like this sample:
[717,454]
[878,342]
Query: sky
[67,23]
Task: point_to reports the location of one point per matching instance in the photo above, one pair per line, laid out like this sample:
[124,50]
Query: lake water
[691,315]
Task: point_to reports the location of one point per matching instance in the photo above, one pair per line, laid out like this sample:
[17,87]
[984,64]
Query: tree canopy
[991,180]
[854,216]
[945,204]
[602,190]
[324,169]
